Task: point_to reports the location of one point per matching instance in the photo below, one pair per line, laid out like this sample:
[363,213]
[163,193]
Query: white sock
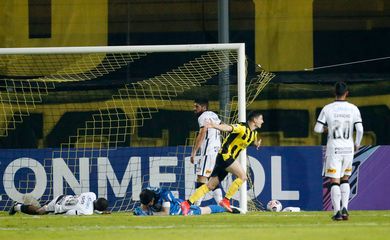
[217,193]
[17,207]
[345,191]
[335,195]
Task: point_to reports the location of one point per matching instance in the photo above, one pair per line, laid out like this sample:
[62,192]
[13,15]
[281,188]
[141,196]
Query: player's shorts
[220,167]
[337,166]
[205,164]
[51,206]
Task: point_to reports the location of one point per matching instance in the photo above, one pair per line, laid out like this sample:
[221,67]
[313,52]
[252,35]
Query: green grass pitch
[254,225]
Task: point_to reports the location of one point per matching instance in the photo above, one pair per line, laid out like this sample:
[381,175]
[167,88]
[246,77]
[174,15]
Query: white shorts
[205,164]
[51,206]
[337,166]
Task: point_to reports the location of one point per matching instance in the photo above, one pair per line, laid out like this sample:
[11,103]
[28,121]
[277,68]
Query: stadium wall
[290,174]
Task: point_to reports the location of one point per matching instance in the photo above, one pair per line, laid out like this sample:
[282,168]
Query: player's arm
[257,143]
[359,135]
[198,142]
[320,126]
[359,128]
[221,127]
[164,210]
[166,206]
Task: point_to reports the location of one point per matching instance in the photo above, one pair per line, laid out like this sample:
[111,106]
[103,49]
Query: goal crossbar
[241,71]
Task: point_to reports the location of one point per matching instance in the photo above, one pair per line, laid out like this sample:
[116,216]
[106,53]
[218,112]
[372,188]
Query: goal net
[113,120]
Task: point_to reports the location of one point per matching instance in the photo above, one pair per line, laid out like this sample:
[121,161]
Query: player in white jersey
[339,119]
[83,204]
[207,145]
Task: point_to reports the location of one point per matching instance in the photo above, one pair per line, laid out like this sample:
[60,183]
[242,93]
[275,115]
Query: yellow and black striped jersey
[240,138]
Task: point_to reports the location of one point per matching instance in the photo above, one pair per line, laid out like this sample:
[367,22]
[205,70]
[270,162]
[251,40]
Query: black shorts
[220,167]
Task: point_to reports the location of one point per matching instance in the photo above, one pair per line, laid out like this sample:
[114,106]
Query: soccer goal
[112,120]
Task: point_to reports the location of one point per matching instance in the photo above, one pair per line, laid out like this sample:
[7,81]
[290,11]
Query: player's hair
[254,114]
[101,204]
[146,196]
[340,88]
[202,101]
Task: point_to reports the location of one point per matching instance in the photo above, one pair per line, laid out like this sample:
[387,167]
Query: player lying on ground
[157,201]
[83,204]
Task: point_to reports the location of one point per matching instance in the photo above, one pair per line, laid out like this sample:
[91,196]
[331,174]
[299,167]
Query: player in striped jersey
[241,136]
[207,143]
[83,204]
[158,201]
[339,120]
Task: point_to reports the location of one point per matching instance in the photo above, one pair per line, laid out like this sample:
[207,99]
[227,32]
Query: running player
[240,137]
[339,119]
[207,143]
[83,204]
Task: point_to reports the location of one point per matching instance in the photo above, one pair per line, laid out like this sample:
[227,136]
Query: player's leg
[51,206]
[212,209]
[332,170]
[27,209]
[204,189]
[335,195]
[200,180]
[236,169]
[218,174]
[217,192]
[344,185]
[201,174]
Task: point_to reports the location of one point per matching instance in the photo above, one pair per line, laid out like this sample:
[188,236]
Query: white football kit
[208,151]
[72,204]
[340,117]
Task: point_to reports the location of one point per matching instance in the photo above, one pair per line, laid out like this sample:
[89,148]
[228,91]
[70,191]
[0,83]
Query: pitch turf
[260,225]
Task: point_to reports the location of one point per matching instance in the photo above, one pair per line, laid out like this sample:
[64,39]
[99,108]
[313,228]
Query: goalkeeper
[157,201]
[83,204]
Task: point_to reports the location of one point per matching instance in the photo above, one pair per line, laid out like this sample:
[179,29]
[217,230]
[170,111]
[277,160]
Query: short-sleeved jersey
[76,204]
[340,117]
[212,141]
[240,138]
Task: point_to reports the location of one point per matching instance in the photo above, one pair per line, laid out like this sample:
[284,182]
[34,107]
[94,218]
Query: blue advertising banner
[289,174]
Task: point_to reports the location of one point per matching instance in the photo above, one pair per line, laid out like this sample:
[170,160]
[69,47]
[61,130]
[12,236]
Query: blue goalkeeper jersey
[163,195]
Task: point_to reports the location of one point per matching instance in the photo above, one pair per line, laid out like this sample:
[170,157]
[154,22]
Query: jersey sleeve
[167,196]
[201,120]
[357,117]
[238,128]
[322,118]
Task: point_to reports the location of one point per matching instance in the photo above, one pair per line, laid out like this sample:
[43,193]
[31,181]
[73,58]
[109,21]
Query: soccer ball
[274,206]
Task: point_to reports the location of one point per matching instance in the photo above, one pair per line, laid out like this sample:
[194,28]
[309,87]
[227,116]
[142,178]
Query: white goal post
[14,63]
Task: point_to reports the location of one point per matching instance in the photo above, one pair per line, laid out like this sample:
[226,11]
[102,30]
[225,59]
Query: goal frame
[241,73]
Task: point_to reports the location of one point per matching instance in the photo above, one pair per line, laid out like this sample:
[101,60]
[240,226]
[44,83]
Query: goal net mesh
[100,114]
